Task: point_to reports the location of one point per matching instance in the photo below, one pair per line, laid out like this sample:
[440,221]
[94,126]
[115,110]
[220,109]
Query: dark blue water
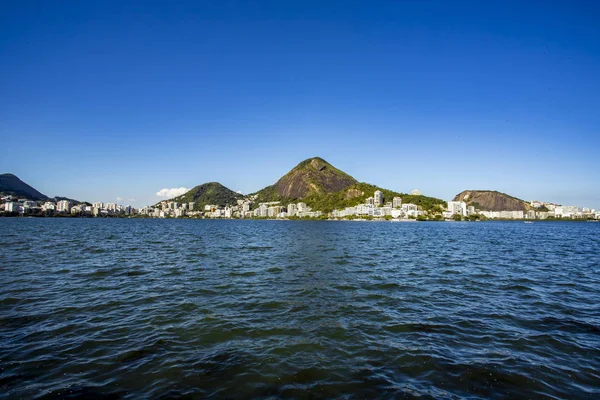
[255,309]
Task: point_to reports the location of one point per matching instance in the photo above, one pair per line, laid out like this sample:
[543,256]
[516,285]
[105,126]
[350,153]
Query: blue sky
[107,100]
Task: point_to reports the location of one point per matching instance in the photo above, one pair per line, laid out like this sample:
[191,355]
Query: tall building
[397,202]
[378,198]
[292,209]
[457,207]
[63,206]
[371,201]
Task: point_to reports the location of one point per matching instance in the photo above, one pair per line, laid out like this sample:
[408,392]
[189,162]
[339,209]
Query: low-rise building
[48,206]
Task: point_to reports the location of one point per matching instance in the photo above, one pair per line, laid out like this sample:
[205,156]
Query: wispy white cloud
[131,199]
[240,192]
[119,198]
[169,193]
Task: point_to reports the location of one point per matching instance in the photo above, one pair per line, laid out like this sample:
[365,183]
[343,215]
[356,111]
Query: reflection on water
[242,309]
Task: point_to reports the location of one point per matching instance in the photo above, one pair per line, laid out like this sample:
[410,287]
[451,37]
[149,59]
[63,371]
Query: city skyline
[118,101]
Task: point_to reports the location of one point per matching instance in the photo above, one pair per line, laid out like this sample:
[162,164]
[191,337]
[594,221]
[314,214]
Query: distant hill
[323,187]
[313,176]
[209,193]
[11,185]
[72,201]
[490,200]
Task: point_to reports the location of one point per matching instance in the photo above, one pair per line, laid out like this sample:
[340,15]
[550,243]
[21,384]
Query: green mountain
[11,185]
[323,187]
[491,200]
[360,191]
[209,193]
[312,177]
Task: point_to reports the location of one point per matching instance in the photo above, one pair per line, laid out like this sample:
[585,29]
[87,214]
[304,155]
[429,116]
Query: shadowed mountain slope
[11,185]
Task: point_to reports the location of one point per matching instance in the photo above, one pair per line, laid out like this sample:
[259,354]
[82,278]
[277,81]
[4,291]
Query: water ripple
[112,309]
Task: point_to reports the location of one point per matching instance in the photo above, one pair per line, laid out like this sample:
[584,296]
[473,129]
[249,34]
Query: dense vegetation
[350,197]
[326,188]
[358,194]
[209,193]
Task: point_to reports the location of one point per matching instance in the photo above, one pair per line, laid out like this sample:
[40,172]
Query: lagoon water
[97,308]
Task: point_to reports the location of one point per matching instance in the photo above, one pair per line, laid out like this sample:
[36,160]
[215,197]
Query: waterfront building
[397,202]
[302,207]
[409,207]
[246,206]
[63,206]
[370,201]
[457,207]
[378,198]
[292,209]
[364,209]
[263,210]
[48,206]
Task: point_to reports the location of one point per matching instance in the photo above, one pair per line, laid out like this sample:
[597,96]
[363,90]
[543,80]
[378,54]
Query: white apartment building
[364,209]
[11,206]
[396,213]
[457,207]
[262,211]
[63,206]
[397,202]
[48,206]
[291,209]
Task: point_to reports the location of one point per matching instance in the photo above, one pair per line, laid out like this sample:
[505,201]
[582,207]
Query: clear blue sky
[101,100]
